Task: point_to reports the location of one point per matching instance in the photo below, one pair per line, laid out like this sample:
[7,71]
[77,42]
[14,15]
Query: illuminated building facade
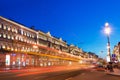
[116,52]
[22,46]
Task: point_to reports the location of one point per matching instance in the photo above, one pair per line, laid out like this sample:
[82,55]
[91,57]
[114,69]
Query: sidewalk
[67,67]
[12,68]
[115,73]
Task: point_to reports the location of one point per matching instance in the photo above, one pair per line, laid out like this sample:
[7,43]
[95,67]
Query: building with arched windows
[22,46]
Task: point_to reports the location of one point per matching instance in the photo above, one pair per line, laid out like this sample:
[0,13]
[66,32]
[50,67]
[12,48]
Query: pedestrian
[110,67]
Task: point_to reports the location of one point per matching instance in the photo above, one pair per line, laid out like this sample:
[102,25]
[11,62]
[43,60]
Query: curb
[114,74]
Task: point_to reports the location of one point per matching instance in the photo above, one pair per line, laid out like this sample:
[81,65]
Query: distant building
[116,51]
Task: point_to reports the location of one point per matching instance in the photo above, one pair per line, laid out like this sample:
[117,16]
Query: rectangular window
[0,35]
[0,26]
[4,27]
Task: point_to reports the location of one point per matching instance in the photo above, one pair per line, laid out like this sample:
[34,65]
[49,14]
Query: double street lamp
[107,31]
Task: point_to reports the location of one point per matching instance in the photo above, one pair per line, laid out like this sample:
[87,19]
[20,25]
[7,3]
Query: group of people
[109,67]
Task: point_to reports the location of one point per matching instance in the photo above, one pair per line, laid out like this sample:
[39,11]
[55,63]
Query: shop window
[7,60]
[41,64]
[12,48]
[27,61]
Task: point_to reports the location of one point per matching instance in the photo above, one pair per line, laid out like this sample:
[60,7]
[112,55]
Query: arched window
[12,37]
[8,36]
[4,35]
[12,29]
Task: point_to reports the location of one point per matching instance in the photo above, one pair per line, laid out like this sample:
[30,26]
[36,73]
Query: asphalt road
[77,74]
[59,75]
[94,75]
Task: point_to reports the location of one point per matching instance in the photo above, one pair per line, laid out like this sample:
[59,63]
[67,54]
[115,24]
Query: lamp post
[107,31]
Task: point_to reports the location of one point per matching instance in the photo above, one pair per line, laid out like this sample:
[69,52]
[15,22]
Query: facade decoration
[22,46]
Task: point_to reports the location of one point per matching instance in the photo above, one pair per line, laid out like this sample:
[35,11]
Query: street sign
[113,55]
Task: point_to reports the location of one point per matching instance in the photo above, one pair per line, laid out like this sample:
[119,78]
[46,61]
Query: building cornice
[15,23]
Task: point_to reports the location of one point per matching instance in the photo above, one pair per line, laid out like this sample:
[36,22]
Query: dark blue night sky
[79,22]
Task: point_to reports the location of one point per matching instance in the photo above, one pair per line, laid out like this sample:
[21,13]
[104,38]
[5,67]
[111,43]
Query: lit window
[24,40]
[12,37]
[0,26]
[8,28]
[12,48]
[4,27]
[8,36]
[3,46]
[0,35]
[12,30]
[16,38]
[8,47]
[16,31]
[22,32]
[25,33]
[28,34]
[21,39]
[4,35]
[32,36]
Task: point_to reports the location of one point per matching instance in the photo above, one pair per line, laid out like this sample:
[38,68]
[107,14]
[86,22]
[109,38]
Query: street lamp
[107,31]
